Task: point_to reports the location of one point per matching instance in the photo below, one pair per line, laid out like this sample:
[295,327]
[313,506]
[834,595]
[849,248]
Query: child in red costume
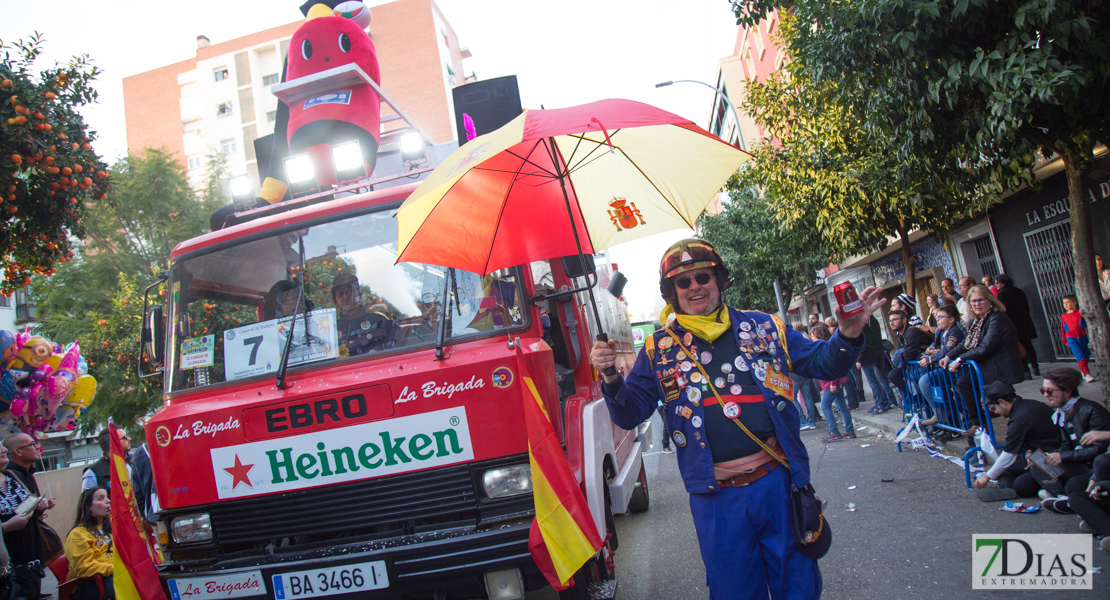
[1074,329]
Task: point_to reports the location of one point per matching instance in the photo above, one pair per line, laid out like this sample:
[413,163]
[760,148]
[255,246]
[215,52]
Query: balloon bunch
[43,387]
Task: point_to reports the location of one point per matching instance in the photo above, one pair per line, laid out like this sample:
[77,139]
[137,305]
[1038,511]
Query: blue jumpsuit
[743,532]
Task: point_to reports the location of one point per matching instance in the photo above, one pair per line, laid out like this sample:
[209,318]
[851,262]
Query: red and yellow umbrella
[618,170]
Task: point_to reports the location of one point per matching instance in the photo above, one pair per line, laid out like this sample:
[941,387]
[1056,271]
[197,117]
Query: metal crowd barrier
[944,408]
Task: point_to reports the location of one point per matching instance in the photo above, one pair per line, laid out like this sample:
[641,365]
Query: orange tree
[47,165]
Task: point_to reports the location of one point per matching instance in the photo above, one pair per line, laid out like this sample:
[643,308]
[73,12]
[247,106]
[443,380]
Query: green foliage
[838,153]
[963,95]
[98,297]
[48,170]
[758,248]
[111,349]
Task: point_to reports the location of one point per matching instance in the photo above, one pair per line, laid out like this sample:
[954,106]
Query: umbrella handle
[604,337]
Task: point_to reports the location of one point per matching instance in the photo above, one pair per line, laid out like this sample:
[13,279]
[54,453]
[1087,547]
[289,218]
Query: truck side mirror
[579,265]
[616,284]
[154,331]
[152,337]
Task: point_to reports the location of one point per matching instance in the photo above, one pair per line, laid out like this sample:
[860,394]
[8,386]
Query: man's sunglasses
[684,282]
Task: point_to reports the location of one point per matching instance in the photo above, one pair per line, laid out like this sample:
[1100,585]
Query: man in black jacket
[1017,308]
[1075,416]
[1029,428]
[913,342]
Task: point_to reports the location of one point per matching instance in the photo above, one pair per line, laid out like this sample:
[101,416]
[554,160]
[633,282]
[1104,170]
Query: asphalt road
[906,539]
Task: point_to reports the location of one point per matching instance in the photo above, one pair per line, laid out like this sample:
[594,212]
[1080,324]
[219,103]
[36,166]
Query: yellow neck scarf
[709,327]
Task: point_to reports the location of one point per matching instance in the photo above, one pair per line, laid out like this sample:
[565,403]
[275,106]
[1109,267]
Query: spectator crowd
[1055,448]
[83,561]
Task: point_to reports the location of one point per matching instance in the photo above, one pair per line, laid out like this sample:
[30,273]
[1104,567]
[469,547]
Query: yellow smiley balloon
[83,391]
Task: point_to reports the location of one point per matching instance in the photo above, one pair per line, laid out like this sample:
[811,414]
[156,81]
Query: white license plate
[332,581]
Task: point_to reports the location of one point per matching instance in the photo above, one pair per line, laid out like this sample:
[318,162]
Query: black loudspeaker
[263,149]
[490,103]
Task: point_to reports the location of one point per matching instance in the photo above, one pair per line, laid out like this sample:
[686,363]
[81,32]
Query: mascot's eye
[306,49]
[344,42]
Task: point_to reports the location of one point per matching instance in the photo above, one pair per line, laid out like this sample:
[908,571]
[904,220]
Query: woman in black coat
[1017,308]
[992,342]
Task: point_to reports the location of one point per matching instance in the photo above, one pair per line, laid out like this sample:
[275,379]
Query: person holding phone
[20,522]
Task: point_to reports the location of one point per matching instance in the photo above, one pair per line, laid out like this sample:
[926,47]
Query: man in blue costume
[723,375]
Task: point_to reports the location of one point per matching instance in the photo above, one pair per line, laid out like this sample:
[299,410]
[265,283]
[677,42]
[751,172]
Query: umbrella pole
[601,335]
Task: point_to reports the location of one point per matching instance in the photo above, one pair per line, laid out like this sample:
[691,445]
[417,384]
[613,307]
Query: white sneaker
[1089,378]
[1105,543]
[668,450]
[1044,495]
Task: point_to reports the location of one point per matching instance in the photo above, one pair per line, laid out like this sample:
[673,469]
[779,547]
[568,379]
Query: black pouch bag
[808,525]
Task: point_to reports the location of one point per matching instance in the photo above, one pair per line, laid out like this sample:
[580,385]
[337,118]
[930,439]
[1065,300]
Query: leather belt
[749,478]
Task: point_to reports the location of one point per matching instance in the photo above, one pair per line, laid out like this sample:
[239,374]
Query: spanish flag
[134,574]
[563,535]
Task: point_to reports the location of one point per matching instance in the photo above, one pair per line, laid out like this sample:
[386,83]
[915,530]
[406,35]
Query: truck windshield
[231,307]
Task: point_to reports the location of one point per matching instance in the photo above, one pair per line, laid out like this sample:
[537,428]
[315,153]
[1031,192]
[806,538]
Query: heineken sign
[363,451]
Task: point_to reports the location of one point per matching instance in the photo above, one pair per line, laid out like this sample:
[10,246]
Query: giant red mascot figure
[333,35]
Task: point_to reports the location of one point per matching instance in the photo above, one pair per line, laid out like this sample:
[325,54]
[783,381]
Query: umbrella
[559,182]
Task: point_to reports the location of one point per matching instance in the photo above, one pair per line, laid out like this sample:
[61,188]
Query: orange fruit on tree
[17,159]
[47,127]
[78,168]
[49,95]
[66,170]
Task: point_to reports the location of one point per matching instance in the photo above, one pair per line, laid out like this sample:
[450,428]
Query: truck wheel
[639,501]
[597,580]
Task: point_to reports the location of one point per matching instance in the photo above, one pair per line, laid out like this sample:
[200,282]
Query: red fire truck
[384,454]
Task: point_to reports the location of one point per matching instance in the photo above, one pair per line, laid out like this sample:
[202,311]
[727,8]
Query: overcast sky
[564,53]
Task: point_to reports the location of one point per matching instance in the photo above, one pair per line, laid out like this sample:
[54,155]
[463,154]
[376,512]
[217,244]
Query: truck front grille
[386,507]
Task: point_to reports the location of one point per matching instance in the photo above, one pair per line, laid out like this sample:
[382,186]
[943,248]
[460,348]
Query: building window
[228,146]
[24,310]
[271,79]
[223,109]
[450,74]
[271,116]
[220,74]
[5,302]
[194,162]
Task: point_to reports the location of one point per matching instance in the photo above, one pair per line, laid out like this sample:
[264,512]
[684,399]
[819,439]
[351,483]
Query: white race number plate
[329,582]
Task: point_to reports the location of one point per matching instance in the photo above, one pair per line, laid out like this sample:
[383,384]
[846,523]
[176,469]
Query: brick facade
[415,45]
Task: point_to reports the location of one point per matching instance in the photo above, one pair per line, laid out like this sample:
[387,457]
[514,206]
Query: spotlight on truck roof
[348,162]
[412,147]
[241,188]
[301,173]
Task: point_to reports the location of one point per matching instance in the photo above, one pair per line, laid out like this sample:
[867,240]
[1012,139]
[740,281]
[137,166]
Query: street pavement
[907,538]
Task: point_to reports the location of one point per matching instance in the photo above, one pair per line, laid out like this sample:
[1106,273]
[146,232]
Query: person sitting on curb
[1093,503]
[1075,416]
[1029,428]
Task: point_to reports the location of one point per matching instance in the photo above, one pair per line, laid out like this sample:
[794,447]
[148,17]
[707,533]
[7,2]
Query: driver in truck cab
[361,330]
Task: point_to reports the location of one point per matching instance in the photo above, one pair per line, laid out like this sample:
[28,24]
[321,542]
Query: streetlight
[724,98]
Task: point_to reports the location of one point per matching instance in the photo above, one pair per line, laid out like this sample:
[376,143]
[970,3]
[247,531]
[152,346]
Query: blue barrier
[943,407]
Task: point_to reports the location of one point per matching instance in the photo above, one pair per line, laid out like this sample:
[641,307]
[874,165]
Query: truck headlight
[188,529]
[507,481]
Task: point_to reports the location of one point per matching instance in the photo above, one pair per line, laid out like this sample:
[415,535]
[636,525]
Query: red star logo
[239,473]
